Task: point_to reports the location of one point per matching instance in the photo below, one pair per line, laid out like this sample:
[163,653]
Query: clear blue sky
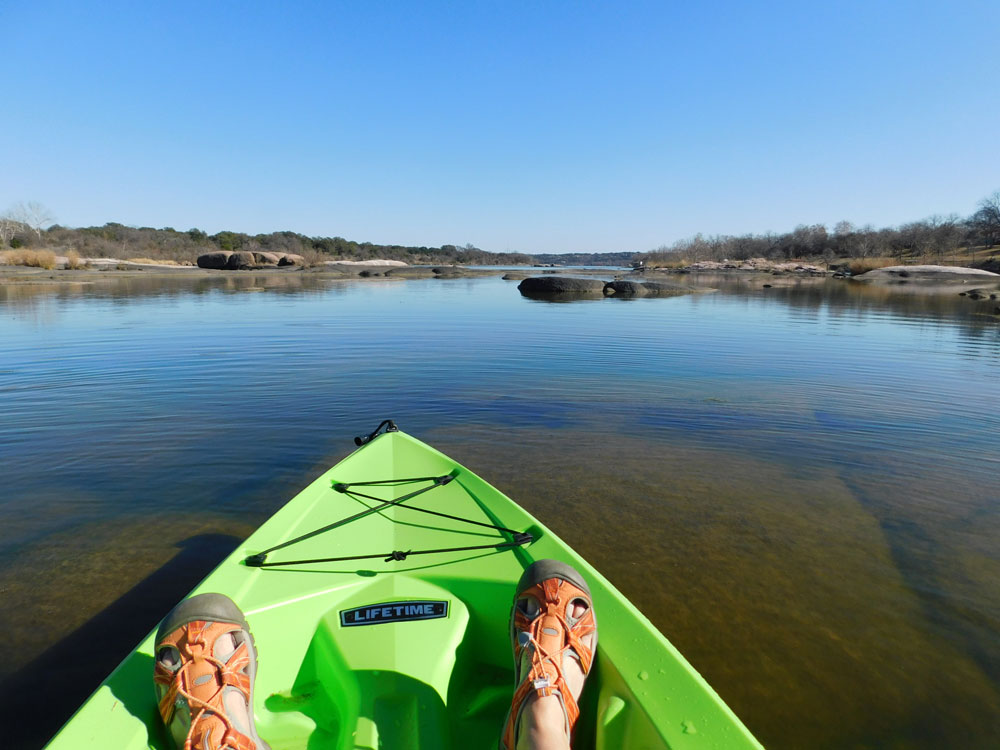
[541,126]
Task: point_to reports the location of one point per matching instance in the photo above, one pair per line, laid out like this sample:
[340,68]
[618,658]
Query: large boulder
[291,259]
[241,260]
[560,286]
[214,260]
[625,289]
[268,259]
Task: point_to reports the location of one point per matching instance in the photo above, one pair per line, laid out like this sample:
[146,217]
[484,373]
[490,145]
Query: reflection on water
[27,291]
[797,484]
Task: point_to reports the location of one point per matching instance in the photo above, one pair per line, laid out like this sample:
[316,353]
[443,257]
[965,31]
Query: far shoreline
[933,279]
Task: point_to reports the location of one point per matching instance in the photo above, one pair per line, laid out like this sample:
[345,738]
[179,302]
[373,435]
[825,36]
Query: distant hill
[585,259]
[115,240]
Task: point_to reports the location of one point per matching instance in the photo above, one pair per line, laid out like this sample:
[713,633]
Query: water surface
[798,485]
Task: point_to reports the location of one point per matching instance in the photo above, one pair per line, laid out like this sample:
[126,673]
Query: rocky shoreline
[108,268]
[752,265]
[595,282]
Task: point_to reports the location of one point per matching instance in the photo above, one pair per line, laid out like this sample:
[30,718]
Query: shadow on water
[38,698]
[920,558]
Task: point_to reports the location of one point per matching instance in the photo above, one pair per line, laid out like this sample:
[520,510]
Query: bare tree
[867,241]
[842,228]
[844,238]
[944,234]
[9,227]
[987,219]
[33,215]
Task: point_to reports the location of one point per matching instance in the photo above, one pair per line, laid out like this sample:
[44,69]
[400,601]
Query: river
[799,485]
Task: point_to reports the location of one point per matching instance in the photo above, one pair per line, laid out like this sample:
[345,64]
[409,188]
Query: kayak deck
[415,652]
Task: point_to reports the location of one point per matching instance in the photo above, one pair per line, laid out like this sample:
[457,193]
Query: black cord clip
[389,426]
[398,555]
[255,561]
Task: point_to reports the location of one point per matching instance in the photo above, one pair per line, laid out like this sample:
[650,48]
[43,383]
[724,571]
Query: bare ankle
[543,725]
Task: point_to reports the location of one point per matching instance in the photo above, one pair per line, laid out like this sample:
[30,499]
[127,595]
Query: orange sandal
[542,637]
[198,669]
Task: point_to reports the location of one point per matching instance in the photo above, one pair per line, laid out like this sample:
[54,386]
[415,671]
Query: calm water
[800,486]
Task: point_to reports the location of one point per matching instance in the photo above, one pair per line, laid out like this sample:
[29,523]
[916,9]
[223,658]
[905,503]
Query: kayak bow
[379,600]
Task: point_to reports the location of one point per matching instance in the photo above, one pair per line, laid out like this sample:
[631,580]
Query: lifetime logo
[376,614]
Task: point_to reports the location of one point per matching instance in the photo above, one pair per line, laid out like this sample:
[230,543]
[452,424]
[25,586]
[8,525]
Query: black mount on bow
[389,426]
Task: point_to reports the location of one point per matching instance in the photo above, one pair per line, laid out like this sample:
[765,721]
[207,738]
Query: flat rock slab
[410,272]
[568,287]
[630,289]
[957,274]
[672,289]
[364,263]
[551,286]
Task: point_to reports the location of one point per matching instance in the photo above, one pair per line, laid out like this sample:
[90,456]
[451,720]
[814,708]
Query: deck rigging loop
[517,539]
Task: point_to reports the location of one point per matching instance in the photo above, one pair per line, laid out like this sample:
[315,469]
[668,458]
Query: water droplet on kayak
[644,675]
[689,727]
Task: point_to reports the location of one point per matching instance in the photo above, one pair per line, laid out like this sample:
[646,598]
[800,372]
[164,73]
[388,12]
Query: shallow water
[798,485]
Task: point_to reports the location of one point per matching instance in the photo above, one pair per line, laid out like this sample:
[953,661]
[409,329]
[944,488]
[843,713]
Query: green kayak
[379,600]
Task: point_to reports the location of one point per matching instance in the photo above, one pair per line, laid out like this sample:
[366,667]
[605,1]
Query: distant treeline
[585,259]
[119,241]
[935,237]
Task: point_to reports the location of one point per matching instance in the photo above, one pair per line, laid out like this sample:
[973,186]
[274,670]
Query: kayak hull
[412,652]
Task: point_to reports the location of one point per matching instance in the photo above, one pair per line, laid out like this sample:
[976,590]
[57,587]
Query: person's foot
[554,634]
[204,673]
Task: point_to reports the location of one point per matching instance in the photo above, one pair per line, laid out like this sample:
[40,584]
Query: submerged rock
[670,289]
[410,272]
[978,294]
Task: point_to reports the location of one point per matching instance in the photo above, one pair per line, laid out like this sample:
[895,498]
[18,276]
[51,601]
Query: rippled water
[799,485]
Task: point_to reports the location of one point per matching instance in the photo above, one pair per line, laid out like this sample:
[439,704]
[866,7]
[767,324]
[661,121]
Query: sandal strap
[550,635]
[211,728]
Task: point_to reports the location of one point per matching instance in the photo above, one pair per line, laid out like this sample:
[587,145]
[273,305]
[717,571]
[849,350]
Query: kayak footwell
[373,685]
